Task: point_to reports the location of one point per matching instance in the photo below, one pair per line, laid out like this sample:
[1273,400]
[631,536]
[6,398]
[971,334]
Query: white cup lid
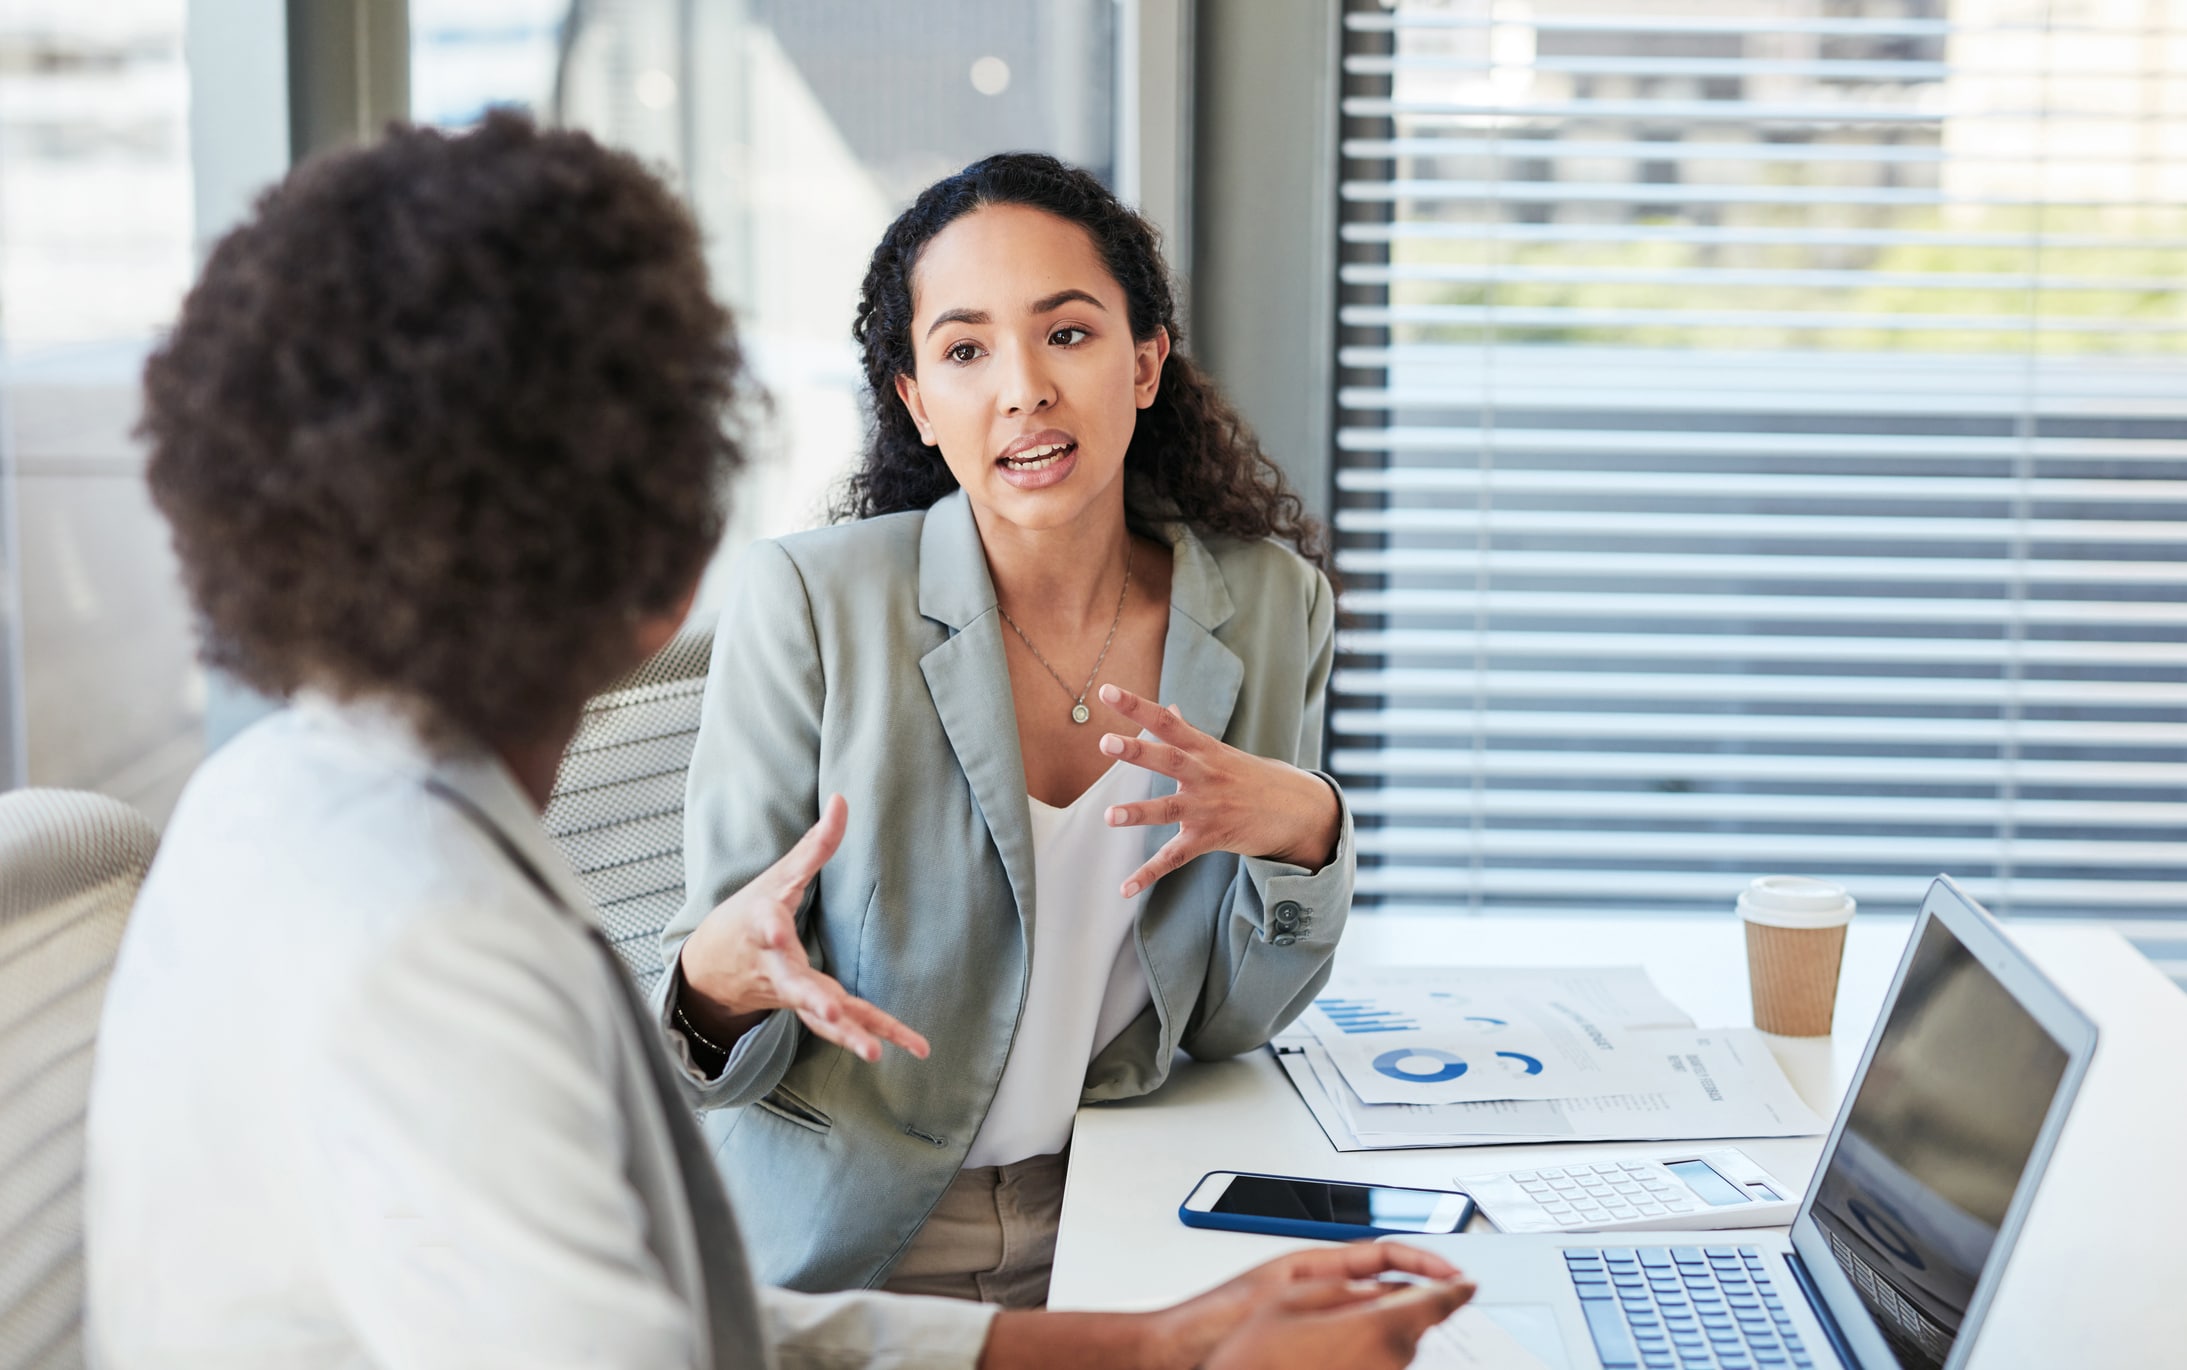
[1795,901]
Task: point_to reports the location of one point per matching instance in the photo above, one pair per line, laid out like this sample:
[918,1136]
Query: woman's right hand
[745,959]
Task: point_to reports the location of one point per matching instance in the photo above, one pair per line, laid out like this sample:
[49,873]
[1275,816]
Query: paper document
[1458,1038]
[1516,1119]
[1675,1082]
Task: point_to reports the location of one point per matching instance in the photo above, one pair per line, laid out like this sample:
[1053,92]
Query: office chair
[617,806]
[70,865]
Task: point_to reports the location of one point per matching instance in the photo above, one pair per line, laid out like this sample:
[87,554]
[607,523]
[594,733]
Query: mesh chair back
[617,806]
[70,865]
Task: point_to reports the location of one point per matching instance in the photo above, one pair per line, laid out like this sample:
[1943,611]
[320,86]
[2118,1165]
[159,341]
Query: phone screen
[1358,1205]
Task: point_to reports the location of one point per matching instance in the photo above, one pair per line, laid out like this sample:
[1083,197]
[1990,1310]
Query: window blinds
[1762,447]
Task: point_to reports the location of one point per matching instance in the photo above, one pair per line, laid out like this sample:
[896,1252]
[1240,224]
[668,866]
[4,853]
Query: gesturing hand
[745,959]
[1226,799]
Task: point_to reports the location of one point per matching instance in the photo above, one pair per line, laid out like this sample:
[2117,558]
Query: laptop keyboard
[1684,1307]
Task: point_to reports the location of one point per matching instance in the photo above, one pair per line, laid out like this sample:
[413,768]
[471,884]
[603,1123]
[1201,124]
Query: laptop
[1897,1250]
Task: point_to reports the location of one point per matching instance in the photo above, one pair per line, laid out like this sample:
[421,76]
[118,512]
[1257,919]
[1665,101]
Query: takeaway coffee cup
[1795,941]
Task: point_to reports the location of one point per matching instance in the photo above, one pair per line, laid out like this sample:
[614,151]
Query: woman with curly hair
[439,434]
[1067,661]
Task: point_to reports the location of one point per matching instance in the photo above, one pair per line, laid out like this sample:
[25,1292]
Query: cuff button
[1283,939]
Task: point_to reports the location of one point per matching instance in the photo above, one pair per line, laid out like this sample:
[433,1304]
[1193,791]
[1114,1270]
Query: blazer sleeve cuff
[1297,906]
[756,1063]
[874,1331]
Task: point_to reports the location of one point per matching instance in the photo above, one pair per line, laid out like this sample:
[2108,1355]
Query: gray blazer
[867,659]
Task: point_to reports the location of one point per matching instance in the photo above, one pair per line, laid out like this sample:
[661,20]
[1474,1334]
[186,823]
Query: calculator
[1691,1191]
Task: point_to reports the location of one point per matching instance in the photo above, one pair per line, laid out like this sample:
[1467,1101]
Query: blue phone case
[1299,1227]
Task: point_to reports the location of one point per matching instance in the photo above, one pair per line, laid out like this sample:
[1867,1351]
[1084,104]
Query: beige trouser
[992,1238]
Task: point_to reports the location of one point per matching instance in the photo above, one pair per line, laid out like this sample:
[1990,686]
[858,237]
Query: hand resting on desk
[1342,1318]
[1310,1310]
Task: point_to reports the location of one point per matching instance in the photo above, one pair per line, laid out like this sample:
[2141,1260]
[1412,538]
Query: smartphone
[1286,1206]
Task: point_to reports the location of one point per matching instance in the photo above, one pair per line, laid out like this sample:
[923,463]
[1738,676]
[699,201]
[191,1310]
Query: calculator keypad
[1588,1195]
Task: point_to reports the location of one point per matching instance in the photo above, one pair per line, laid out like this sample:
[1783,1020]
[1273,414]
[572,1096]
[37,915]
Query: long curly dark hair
[1192,458]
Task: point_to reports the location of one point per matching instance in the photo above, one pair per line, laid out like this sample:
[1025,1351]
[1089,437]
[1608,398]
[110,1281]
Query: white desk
[1121,1245]
[2068,1298]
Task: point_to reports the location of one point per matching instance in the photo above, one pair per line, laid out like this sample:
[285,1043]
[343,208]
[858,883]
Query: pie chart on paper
[1420,1065]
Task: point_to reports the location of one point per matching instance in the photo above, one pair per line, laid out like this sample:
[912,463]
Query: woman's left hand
[1226,800]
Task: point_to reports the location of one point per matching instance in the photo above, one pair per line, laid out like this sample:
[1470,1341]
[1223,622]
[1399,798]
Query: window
[1762,446]
[98,685]
[799,129]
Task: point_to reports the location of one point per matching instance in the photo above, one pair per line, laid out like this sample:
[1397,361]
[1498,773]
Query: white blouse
[1086,984]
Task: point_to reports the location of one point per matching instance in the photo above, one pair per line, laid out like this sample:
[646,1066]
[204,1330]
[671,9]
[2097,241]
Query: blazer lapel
[970,683]
[491,793]
[1200,676]
[488,793]
[485,794]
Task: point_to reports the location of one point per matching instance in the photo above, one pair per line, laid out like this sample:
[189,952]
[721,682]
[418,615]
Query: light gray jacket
[371,1091]
[867,659]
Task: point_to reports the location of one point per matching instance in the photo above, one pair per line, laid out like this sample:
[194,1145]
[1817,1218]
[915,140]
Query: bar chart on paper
[1358,1017]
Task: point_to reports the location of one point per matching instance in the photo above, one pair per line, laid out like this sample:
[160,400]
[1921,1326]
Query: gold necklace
[1079,712]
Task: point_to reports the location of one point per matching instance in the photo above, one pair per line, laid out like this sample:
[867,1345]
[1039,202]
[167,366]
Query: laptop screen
[1934,1145]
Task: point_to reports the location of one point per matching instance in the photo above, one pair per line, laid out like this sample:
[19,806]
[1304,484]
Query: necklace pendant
[1080,713]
